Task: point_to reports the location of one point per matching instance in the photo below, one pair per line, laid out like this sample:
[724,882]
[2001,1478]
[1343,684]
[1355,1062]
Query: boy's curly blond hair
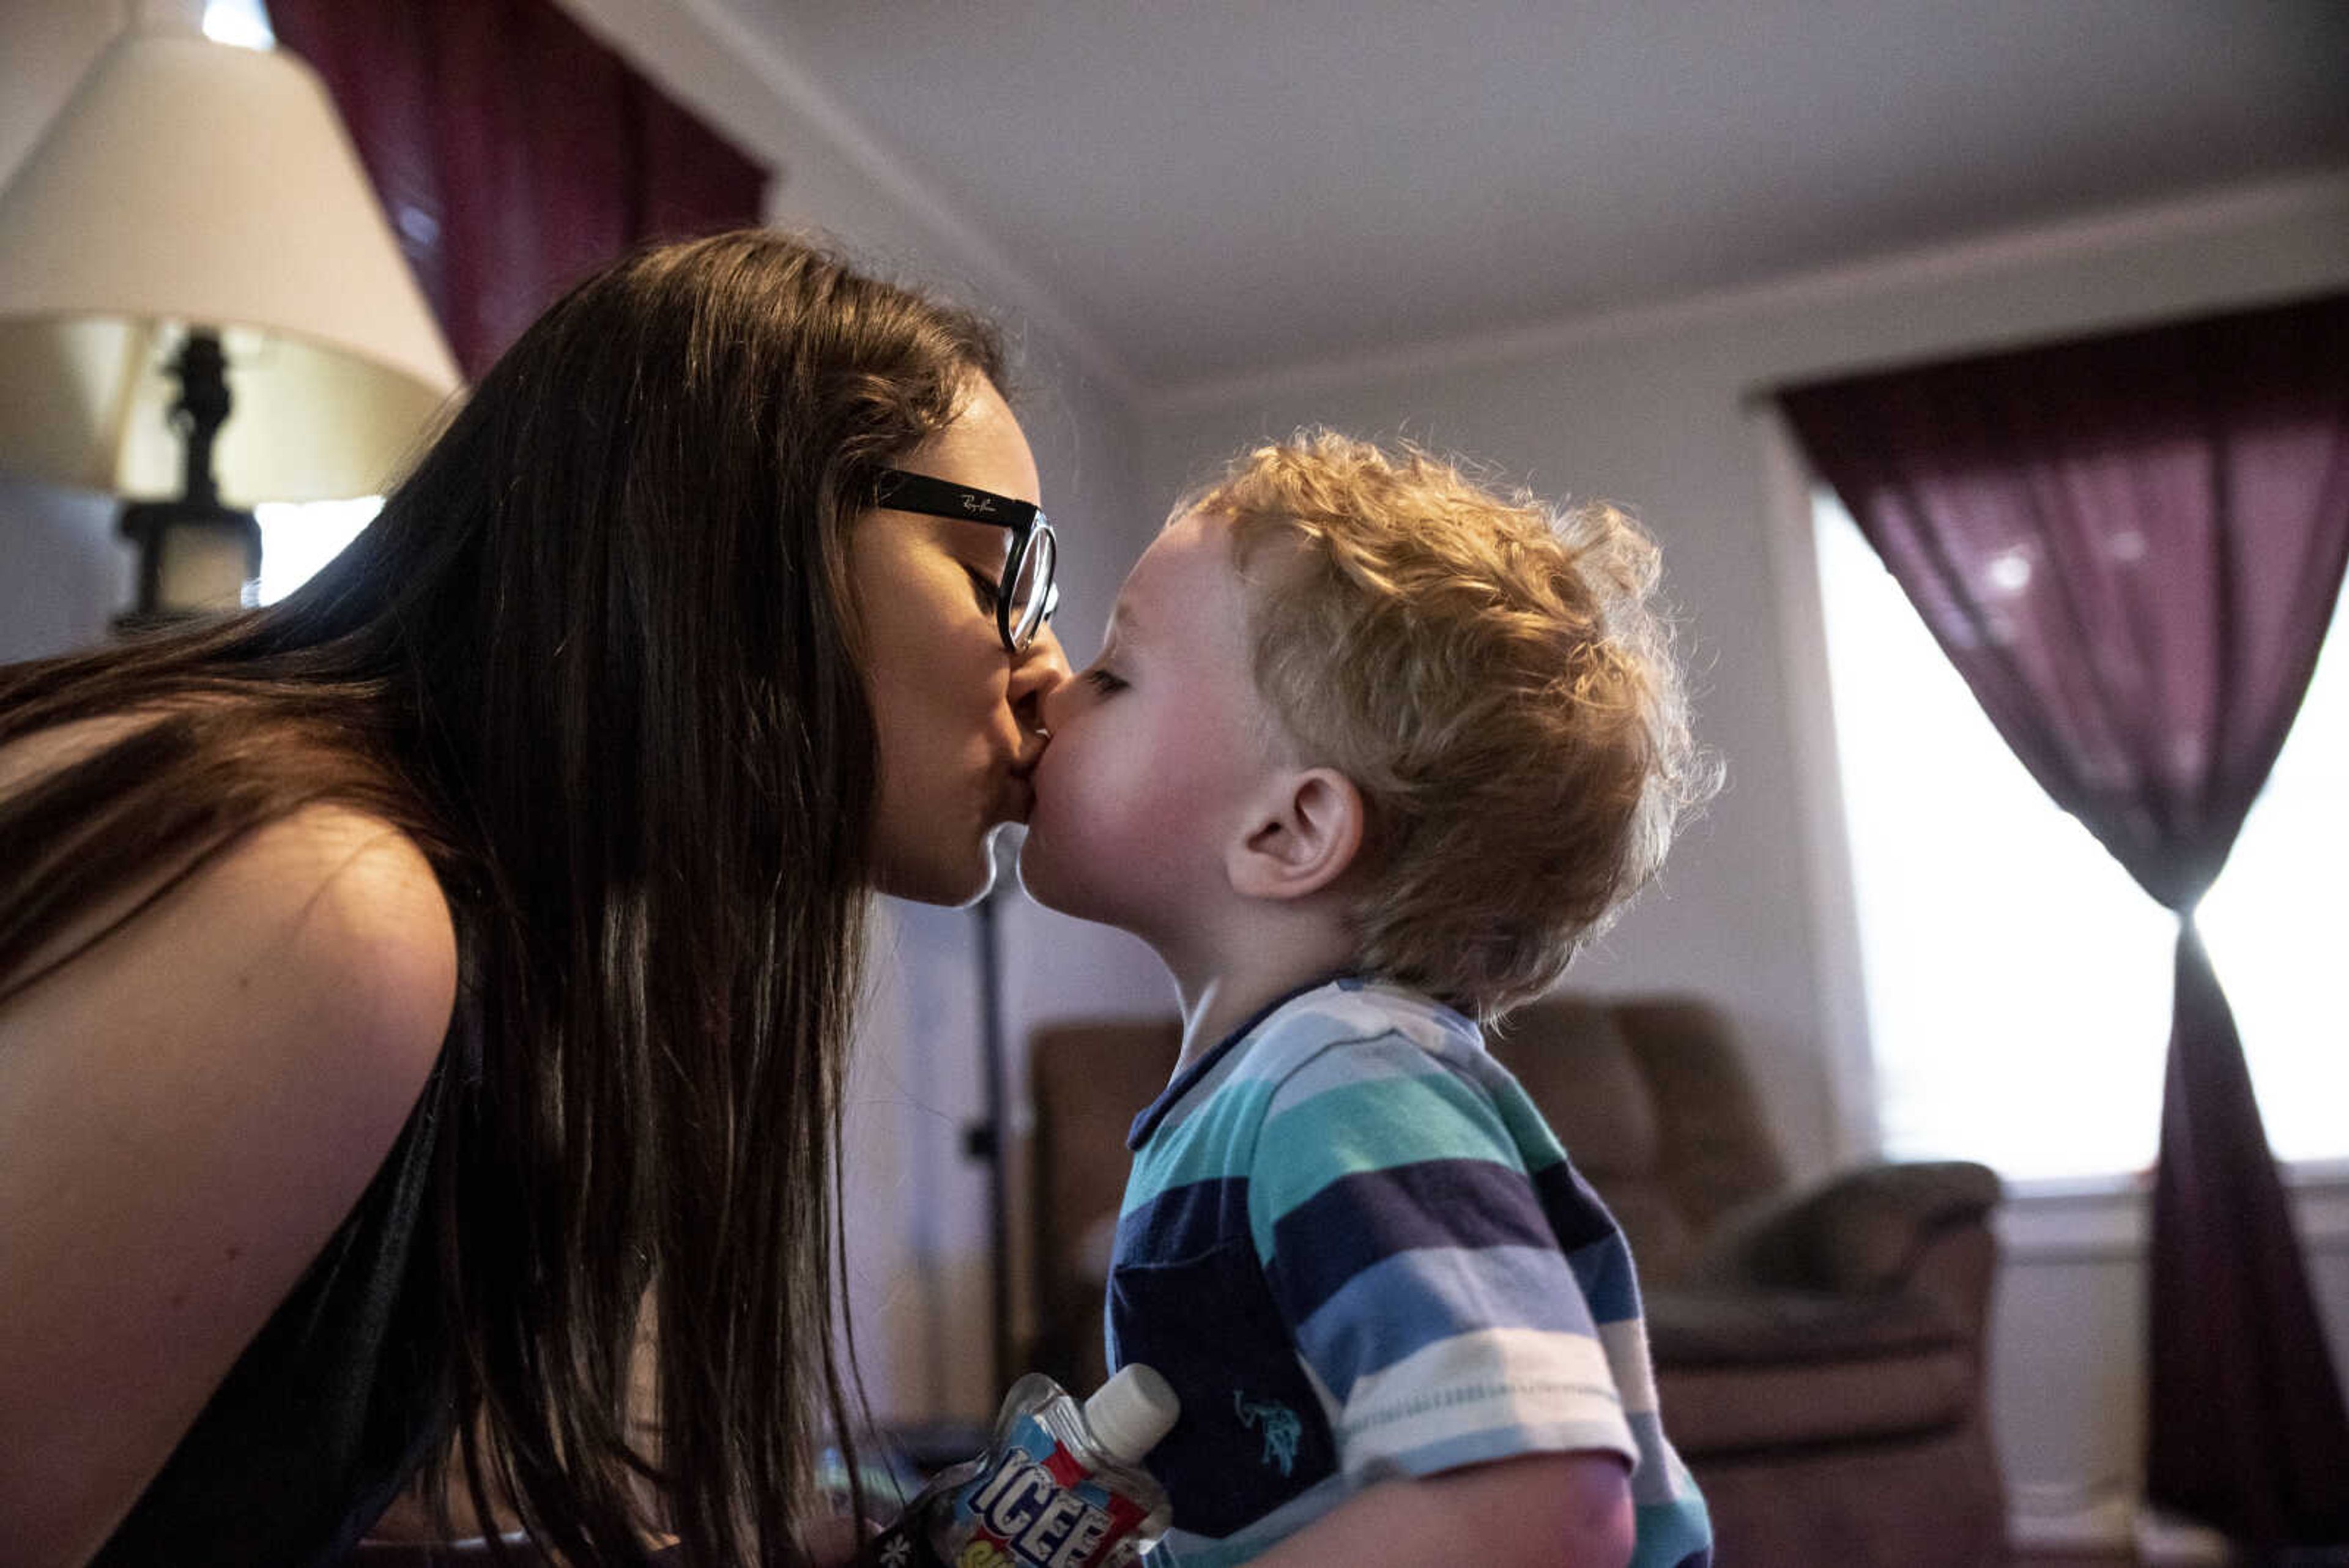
[1494,679]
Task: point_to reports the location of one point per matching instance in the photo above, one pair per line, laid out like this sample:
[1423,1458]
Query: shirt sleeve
[1423,1285]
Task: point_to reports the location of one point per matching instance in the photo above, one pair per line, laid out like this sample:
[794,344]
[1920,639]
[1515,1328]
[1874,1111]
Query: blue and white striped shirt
[1356,1249]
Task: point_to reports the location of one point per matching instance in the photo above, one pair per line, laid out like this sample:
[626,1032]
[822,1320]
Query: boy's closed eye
[1102,682]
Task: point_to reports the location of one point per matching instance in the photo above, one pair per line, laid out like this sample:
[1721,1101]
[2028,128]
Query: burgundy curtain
[512,151]
[2131,548]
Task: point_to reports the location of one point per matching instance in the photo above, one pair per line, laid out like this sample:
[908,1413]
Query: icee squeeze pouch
[1062,1485]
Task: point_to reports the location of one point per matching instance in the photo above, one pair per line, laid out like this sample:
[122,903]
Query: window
[299,537]
[245,23]
[2018,982]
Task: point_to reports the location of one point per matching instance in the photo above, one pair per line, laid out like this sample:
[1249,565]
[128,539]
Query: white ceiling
[1215,188]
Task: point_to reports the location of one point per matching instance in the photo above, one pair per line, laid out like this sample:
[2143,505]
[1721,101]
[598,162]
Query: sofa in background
[1819,1349]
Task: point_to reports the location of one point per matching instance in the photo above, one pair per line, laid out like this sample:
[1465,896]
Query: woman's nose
[1042,669]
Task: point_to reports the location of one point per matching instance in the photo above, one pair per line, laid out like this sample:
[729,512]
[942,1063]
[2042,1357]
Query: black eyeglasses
[1025,596]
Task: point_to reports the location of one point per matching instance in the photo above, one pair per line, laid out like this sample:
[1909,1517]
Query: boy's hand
[1540,1511]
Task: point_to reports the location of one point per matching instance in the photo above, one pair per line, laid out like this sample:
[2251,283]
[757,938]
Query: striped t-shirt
[1356,1249]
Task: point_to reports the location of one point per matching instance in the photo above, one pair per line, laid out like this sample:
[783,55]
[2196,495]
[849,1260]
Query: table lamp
[193,230]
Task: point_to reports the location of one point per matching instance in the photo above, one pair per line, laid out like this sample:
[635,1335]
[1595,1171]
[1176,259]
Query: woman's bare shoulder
[357,913]
[366,892]
[324,924]
[188,1110]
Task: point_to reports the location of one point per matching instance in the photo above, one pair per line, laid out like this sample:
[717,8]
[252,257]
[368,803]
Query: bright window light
[299,537]
[245,23]
[2278,919]
[2018,982]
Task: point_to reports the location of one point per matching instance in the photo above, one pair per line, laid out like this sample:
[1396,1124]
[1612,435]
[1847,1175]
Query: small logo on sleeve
[1282,1430]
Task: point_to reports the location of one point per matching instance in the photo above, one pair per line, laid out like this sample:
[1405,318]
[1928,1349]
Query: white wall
[1657,410]
[63,570]
[2068,1347]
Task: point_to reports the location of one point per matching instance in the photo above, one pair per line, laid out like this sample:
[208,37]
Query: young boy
[1368,751]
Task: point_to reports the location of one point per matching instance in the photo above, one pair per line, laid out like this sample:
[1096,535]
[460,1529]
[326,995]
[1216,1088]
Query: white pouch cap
[1131,1412]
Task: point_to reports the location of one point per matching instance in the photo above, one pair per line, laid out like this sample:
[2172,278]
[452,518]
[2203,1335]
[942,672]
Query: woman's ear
[1307,832]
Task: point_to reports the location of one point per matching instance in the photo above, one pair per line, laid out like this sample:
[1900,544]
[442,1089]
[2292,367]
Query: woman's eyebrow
[974,543]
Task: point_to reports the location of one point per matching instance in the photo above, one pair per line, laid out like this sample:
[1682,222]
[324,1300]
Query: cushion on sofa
[1757,1370]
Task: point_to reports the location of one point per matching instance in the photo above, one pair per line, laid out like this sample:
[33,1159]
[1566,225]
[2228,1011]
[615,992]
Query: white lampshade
[193,184]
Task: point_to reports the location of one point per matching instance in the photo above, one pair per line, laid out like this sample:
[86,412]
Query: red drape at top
[2131,548]
[512,151]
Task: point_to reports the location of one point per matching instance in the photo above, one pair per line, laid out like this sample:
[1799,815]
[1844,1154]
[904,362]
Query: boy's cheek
[1080,856]
[1077,775]
[1036,867]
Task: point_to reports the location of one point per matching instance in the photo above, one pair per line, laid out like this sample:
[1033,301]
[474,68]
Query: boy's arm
[1540,1511]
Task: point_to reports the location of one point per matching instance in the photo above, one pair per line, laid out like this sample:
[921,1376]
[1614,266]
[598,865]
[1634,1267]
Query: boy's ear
[1306,831]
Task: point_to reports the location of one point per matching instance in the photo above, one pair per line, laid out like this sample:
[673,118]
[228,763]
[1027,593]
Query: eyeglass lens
[1029,591]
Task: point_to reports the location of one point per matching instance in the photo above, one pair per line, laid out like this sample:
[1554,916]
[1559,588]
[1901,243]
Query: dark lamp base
[194,561]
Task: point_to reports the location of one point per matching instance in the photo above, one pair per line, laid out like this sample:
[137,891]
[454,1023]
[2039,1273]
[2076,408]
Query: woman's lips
[1016,799]
[1019,782]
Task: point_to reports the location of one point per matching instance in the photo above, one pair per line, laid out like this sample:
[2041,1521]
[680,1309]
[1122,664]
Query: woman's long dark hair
[599,657]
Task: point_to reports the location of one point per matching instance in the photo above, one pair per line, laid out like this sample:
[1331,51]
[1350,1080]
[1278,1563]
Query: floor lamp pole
[988,1139]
